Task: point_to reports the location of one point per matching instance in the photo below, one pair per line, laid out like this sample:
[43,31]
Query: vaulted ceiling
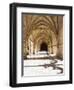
[42,22]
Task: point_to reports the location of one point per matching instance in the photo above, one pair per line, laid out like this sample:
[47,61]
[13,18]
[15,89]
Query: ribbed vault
[42,28]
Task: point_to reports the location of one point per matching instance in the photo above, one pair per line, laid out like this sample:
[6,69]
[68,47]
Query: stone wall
[60,39]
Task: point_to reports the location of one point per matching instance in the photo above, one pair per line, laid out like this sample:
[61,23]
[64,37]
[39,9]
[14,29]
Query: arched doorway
[43,47]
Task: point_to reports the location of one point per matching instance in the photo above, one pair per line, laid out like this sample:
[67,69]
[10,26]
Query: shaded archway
[43,47]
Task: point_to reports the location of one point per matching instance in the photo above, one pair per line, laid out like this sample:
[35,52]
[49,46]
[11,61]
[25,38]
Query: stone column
[31,46]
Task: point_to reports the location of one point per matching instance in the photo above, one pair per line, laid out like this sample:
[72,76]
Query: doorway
[43,47]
